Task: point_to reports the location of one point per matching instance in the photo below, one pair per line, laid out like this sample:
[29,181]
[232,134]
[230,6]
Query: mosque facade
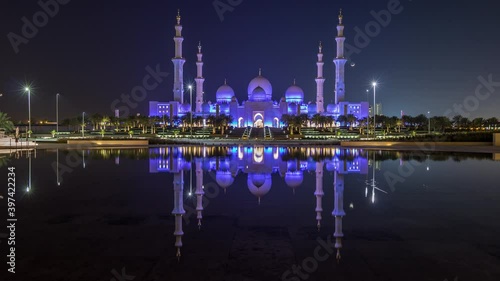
[260,109]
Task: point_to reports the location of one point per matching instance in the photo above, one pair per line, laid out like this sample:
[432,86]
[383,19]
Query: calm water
[253,213]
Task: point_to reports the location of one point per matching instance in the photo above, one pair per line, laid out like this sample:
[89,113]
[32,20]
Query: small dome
[312,108]
[205,107]
[234,99]
[185,108]
[224,94]
[294,94]
[283,99]
[294,179]
[263,83]
[330,108]
[224,179]
[259,184]
[258,94]
[224,108]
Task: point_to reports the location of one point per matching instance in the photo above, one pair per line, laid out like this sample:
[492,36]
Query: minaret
[320,81]
[199,191]
[199,80]
[340,62]
[178,210]
[319,192]
[178,62]
[338,210]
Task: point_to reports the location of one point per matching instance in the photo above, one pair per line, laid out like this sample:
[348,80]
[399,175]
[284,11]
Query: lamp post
[27,89]
[429,117]
[83,124]
[191,108]
[57,114]
[374,109]
[368,115]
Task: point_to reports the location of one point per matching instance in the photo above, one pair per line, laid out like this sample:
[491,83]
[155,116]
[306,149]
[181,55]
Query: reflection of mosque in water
[258,163]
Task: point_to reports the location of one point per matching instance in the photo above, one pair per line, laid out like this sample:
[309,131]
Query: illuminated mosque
[260,110]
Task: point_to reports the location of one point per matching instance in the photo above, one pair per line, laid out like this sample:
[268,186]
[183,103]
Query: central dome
[262,82]
[258,95]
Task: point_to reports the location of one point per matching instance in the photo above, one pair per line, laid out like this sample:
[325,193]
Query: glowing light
[374,84]
[27,89]
[28,189]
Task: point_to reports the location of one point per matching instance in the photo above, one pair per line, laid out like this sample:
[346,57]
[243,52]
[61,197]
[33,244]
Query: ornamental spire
[260,71]
[178,17]
[320,47]
[341,17]
[199,47]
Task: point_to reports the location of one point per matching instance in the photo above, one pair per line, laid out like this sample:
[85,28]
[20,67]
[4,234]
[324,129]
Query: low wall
[425,145]
[496,139]
[109,142]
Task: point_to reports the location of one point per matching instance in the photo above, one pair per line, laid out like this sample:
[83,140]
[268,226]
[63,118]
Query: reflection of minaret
[199,80]
[199,191]
[320,82]
[178,62]
[338,210]
[319,192]
[178,210]
[340,62]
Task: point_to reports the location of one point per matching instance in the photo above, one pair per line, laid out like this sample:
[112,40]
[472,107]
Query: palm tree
[5,122]
[104,122]
[456,121]
[287,120]
[492,123]
[351,119]
[478,123]
[362,124]
[317,119]
[152,121]
[95,119]
[342,119]
[212,120]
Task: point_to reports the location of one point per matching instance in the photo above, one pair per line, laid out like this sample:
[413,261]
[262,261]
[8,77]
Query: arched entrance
[258,120]
[241,122]
[276,122]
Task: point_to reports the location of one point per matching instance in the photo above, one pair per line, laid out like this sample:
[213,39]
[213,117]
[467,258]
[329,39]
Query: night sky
[428,58]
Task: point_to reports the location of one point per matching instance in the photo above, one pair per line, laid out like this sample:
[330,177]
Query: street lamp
[83,124]
[191,108]
[57,113]
[368,115]
[429,117]
[27,89]
[374,84]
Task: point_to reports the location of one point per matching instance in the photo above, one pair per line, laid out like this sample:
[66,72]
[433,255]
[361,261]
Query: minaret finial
[199,47]
[320,47]
[179,17]
[294,81]
[260,71]
[341,17]
[225,81]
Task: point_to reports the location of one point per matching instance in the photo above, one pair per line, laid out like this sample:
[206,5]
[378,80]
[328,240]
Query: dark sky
[428,58]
